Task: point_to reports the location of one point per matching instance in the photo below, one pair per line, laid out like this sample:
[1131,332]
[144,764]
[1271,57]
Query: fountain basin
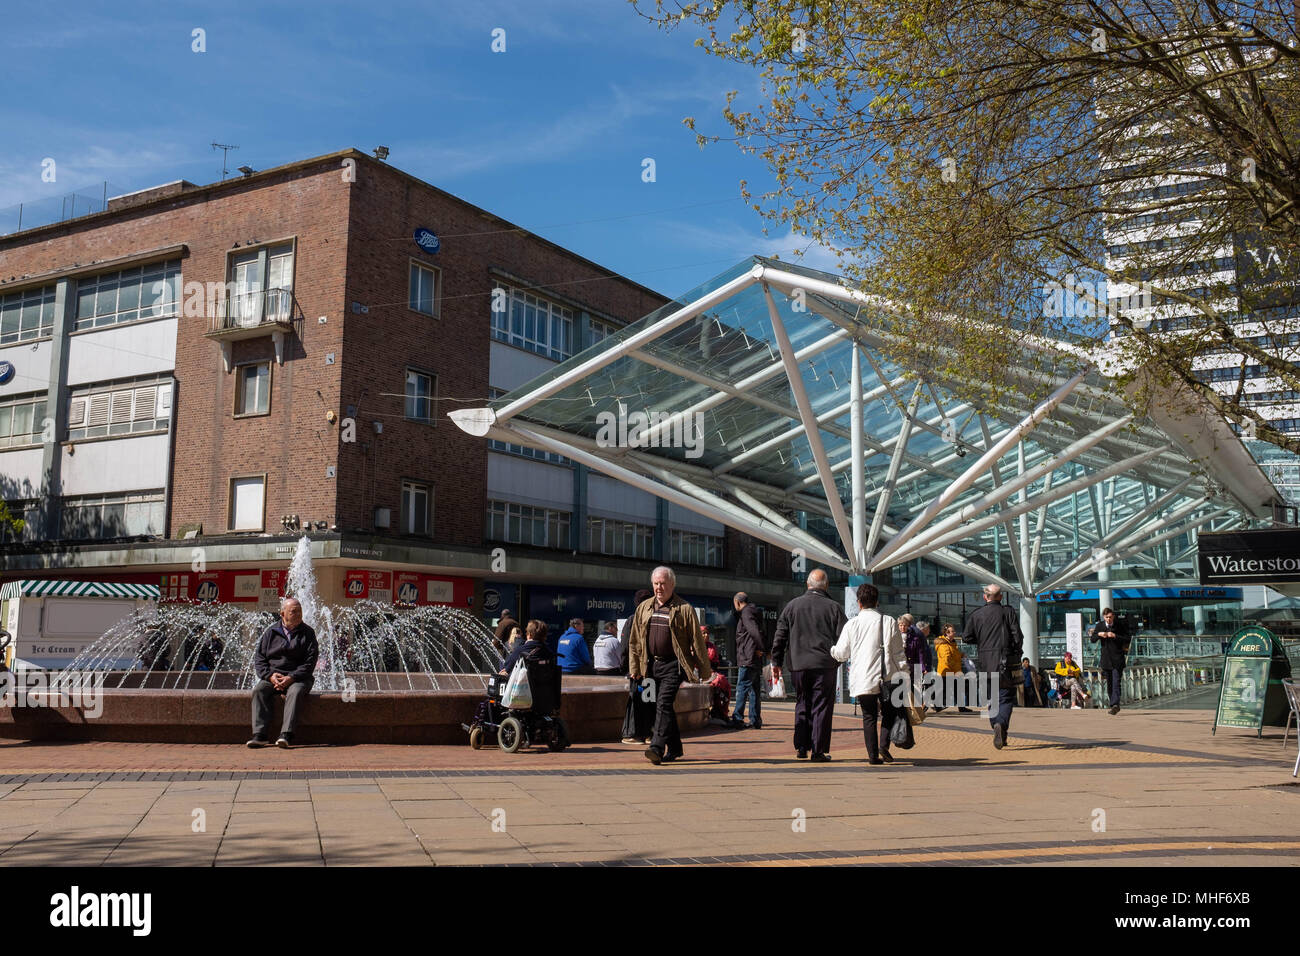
[592,708]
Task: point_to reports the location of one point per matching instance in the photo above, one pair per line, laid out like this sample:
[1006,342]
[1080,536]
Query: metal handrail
[250,310]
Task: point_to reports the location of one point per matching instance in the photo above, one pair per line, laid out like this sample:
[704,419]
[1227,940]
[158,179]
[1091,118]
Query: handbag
[900,731]
[518,695]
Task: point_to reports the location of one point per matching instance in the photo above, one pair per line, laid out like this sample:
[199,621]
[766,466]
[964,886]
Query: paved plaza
[1166,792]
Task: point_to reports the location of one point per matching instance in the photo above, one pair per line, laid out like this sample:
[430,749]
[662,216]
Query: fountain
[386,673]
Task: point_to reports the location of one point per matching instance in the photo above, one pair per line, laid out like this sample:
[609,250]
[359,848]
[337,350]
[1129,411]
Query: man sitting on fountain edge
[284,662]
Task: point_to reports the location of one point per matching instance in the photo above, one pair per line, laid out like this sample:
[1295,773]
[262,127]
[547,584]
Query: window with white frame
[600,331]
[247,503]
[624,538]
[253,389]
[692,547]
[142,292]
[22,420]
[261,285]
[119,408]
[26,315]
[537,454]
[532,323]
[419,395]
[113,516]
[423,292]
[417,508]
[525,524]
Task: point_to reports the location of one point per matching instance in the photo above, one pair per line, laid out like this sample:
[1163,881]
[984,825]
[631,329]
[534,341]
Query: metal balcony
[249,315]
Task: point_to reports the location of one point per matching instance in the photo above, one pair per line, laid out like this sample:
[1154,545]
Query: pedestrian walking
[1114,639]
[809,626]
[668,648]
[873,645]
[751,651]
[996,633]
[948,658]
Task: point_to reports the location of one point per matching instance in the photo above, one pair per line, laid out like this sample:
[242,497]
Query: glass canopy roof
[737,401]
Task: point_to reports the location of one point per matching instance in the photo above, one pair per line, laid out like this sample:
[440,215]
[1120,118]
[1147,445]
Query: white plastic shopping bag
[517,695]
[775,688]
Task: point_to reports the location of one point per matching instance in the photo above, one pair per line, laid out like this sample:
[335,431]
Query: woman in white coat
[872,643]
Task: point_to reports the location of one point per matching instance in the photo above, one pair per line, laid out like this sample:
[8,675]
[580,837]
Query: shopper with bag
[667,648]
[535,648]
[808,627]
[995,630]
[874,648]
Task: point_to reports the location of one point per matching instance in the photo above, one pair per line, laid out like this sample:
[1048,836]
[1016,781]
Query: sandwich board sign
[1246,697]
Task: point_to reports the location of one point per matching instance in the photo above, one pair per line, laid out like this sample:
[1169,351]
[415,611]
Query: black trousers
[666,739]
[813,708]
[876,707]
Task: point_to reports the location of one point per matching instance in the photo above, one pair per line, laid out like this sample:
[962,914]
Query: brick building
[199,374]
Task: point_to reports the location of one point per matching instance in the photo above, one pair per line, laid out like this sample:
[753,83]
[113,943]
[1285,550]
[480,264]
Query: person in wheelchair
[539,723]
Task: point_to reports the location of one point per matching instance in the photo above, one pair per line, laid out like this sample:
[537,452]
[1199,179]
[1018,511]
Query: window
[419,396]
[144,292]
[690,547]
[533,323]
[760,559]
[113,516]
[247,503]
[261,286]
[29,512]
[22,420]
[607,536]
[253,389]
[524,524]
[537,454]
[424,289]
[417,500]
[26,315]
[601,331]
[119,408]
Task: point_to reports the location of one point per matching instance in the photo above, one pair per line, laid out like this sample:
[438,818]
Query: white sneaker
[630,740]
[1075,707]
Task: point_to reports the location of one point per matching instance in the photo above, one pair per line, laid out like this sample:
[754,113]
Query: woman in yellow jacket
[948,657]
[1071,679]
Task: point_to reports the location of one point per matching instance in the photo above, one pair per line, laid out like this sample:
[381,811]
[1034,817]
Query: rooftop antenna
[225,151]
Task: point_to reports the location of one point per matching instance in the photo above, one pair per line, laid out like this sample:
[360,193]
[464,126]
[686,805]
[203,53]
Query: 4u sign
[408,593]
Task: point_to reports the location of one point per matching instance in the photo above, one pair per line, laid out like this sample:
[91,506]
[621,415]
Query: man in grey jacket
[809,626]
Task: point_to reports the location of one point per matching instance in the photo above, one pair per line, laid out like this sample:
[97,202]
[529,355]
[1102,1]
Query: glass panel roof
[709,399]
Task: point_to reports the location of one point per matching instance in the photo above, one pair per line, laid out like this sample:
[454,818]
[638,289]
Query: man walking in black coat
[1113,635]
[809,626]
[996,632]
[750,651]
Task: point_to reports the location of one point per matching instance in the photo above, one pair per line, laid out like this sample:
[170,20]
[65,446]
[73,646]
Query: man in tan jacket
[666,647]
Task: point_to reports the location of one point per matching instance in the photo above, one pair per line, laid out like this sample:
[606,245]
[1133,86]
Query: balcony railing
[252,310]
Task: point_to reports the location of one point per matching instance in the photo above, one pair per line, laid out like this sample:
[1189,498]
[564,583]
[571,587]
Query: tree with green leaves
[1123,172]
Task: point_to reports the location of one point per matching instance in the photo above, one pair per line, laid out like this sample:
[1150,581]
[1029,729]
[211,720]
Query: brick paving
[1144,788]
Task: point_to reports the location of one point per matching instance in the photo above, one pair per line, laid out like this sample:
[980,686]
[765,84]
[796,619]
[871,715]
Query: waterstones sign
[1249,557]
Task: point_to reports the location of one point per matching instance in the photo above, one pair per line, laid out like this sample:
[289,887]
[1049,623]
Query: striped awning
[32,588]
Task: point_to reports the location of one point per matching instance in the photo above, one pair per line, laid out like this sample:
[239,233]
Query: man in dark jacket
[504,627]
[996,632]
[284,661]
[810,625]
[1114,638]
[751,648]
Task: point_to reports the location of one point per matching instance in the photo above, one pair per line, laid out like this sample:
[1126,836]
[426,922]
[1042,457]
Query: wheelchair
[517,729]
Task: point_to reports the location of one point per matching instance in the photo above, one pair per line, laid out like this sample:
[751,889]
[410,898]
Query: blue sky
[550,134]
